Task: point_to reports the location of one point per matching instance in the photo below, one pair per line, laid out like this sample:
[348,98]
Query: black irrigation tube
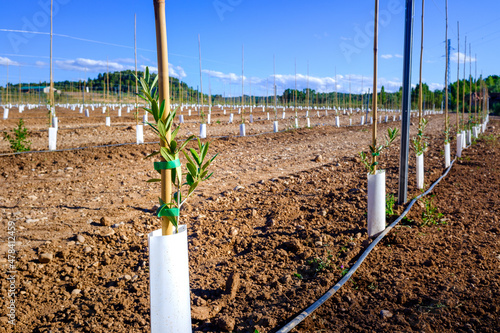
[297,320]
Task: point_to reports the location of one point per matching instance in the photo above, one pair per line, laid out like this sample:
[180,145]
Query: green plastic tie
[164,211]
[167,165]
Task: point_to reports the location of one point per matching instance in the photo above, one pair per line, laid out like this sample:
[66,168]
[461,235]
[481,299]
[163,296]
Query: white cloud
[398,56]
[40,63]
[125,60]
[345,38]
[4,61]
[174,71]
[82,64]
[386,56]
[434,86]
[456,56]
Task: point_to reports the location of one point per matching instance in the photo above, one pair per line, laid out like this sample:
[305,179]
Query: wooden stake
[201,81]
[375,69]
[136,83]
[463,90]
[446,120]
[420,113]
[162,55]
[51,91]
[458,78]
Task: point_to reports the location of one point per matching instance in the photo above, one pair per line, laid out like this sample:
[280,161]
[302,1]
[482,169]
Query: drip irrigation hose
[297,320]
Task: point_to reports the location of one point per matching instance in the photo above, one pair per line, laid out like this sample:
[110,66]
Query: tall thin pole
[242,82]
[406,104]
[420,113]
[475,88]
[201,81]
[463,90]
[136,83]
[458,78]
[51,92]
[275,101]
[446,119]
[308,85]
[8,81]
[375,70]
[470,79]
[163,89]
[295,91]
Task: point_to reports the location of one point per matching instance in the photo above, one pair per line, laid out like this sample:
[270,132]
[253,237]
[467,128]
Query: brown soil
[284,236]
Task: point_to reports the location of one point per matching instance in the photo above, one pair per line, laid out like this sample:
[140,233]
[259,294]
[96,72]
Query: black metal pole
[406,104]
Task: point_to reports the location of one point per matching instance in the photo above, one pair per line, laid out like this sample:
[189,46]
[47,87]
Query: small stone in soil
[45,258]
[87,249]
[80,238]
[127,277]
[76,292]
[233,284]
[239,187]
[105,221]
[318,158]
[385,314]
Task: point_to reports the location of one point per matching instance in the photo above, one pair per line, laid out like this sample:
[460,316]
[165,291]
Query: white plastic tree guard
[447,155]
[103,109]
[464,144]
[5,113]
[87,113]
[268,116]
[317,113]
[145,118]
[376,203]
[337,121]
[108,121]
[119,112]
[308,122]
[139,134]
[275,126]
[362,120]
[307,114]
[55,123]
[420,171]
[203,131]
[52,138]
[251,118]
[230,118]
[242,130]
[350,122]
[296,123]
[169,282]
[284,114]
[459,145]
[181,119]
[209,116]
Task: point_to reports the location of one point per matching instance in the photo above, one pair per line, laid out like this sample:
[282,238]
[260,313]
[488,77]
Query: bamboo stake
[475,88]
[8,81]
[374,99]
[470,78]
[458,79]
[162,55]
[136,85]
[446,120]
[51,92]
[463,90]
[242,83]
[420,113]
[201,81]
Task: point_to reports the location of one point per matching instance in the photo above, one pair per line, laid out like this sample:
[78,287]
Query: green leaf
[189,179]
[192,170]
[203,152]
[153,154]
[153,180]
[165,153]
[195,156]
[187,157]
[210,175]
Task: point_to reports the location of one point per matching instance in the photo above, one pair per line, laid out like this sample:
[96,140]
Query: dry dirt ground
[259,254]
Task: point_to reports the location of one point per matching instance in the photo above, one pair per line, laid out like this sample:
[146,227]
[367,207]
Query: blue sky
[328,36]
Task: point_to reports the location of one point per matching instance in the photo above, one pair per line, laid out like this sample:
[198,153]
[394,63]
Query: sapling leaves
[375,151]
[196,166]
